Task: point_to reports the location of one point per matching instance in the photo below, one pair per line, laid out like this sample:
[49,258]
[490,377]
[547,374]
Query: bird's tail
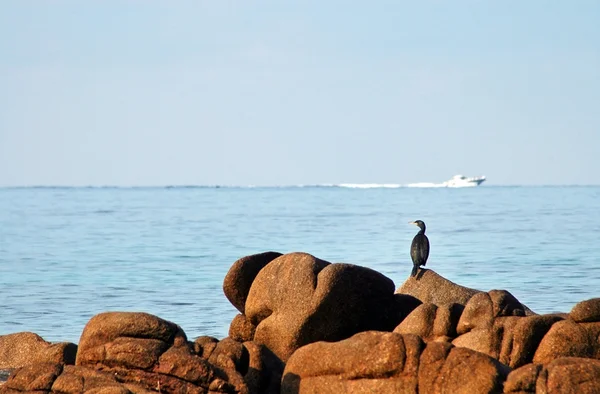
[414,270]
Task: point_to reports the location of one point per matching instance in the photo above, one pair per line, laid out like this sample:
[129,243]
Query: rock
[431,288]
[240,276]
[381,362]
[523,380]
[526,337]
[33,377]
[127,339]
[494,341]
[568,338]
[205,345]
[444,368]
[586,311]
[54,378]
[24,348]
[298,299]
[563,375]
[367,362]
[481,310]
[512,340]
[146,351]
[230,354]
[241,329]
[432,323]
[264,370]
[180,362]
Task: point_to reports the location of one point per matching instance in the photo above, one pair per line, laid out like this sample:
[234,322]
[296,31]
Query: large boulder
[25,348]
[561,376]
[127,339]
[298,299]
[381,362]
[576,336]
[241,274]
[431,288]
[568,338]
[144,349]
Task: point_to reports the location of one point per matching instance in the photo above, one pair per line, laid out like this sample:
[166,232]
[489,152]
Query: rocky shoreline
[309,326]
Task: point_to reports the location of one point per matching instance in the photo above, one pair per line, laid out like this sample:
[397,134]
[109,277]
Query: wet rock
[241,274]
[241,329]
[431,288]
[390,363]
[24,348]
[298,299]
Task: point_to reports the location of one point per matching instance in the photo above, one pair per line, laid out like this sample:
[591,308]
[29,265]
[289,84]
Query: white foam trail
[426,184]
[370,185]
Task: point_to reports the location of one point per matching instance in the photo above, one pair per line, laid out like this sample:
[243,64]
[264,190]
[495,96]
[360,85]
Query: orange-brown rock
[264,370]
[512,340]
[205,345]
[143,349]
[24,348]
[298,299]
[568,338]
[481,310]
[381,362]
[241,328]
[527,334]
[432,323]
[58,379]
[241,274]
[32,377]
[444,368]
[563,375]
[586,311]
[431,288]
[128,339]
[230,354]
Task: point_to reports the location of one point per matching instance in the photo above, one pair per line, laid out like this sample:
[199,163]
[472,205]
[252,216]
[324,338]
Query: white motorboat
[463,181]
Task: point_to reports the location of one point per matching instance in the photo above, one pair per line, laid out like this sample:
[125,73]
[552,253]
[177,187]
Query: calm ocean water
[67,254]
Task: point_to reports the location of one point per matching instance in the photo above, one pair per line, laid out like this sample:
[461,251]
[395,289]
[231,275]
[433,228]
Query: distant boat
[463,181]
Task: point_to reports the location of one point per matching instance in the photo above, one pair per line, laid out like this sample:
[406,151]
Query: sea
[69,253]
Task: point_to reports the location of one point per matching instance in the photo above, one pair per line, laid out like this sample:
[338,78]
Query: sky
[132,93]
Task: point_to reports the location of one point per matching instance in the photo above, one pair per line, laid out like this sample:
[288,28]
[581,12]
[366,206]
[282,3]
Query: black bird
[419,249]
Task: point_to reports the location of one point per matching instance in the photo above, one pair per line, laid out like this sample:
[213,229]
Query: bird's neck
[422,231]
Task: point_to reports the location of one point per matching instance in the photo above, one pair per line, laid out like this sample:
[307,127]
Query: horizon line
[251,186]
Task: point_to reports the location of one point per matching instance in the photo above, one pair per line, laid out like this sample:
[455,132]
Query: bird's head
[419,223]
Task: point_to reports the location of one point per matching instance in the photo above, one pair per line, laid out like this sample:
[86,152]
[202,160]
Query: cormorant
[419,249]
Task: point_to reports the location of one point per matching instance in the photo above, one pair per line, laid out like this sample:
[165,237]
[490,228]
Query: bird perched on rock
[419,249]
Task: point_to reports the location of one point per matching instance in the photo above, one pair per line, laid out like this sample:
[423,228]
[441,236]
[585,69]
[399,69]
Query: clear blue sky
[299,92]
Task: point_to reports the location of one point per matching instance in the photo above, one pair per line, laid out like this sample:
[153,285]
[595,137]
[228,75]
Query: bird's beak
[415,223]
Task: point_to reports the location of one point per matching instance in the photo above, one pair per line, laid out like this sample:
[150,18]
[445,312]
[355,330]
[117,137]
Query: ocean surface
[67,254]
